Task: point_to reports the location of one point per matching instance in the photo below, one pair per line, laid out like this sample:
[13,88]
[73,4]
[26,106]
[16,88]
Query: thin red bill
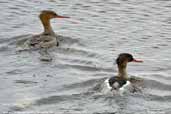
[138,61]
[58,16]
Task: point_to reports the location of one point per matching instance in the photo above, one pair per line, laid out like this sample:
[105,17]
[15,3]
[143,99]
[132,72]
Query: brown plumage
[48,38]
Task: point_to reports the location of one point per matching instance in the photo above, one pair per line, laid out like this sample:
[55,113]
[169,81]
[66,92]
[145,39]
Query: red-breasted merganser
[48,38]
[121,80]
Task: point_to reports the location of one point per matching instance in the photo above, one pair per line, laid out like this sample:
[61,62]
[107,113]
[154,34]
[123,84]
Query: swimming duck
[48,38]
[121,80]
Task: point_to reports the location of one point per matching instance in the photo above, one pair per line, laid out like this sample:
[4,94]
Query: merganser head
[45,17]
[47,14]
[124,58]
[122,61]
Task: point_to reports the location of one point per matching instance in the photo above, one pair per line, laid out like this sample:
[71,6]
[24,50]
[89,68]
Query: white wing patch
[107,89]
[125,88]
[107,84]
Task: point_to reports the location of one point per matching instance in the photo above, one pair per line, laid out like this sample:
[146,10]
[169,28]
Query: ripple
[56,99]
[85,54]
[25,82]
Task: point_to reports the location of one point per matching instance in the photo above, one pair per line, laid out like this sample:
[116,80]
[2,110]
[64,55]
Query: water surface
[85,57]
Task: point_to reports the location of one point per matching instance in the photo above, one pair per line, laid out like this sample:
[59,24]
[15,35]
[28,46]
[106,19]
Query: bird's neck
[47,26]
[122,72]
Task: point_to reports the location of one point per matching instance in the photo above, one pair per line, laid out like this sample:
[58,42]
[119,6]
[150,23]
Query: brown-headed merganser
[48,38]
[121,80]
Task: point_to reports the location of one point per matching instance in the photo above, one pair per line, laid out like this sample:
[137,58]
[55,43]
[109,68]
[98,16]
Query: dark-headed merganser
[121,80]
[48,38]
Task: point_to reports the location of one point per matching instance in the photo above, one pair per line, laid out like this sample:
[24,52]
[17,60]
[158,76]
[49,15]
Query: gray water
[69,84]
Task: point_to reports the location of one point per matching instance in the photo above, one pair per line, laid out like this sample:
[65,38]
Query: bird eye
[131,59]
[54,14]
